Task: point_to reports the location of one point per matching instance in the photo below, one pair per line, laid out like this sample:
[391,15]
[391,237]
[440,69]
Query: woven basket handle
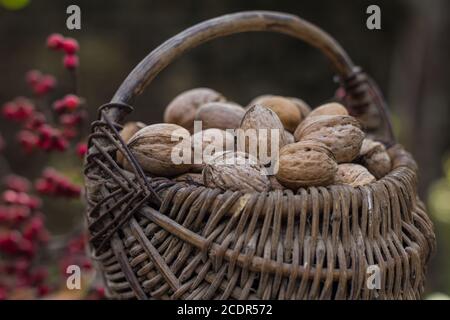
[226,25]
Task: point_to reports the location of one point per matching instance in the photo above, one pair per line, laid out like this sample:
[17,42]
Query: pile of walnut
[317,148]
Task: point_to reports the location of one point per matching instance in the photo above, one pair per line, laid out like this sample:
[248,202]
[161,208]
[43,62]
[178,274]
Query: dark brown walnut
[353,174]
[306,163]
[374,157]
[235,171]
[153,148]
[220,115]
[128,130]
[286,110]
[329,109]
[342,134]
[262,120]
[182,109]
[208,142]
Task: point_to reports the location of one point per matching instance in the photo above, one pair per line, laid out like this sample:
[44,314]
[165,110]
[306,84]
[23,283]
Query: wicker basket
[154,238]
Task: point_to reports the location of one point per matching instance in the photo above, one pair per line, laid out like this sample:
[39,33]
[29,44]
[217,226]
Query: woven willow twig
[161,239]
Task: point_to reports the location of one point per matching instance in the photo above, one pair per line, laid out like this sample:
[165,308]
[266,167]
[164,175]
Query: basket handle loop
[246,21]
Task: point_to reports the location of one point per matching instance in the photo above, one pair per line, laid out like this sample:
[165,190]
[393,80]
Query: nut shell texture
[342,134]
[286,110]
[306,163]
[236,172]
[374,157]
[353,174]
[153,146]
[257,118]
[329,109]
[220,115]
[181,110]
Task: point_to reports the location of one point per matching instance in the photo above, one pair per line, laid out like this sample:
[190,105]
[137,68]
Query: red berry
[59,106]
[100,291]
[34,203]
[27,247]
[82,149]
[10,196]
[71,102]
[69,133]
[19,213]
[9,110]
[61,144]
[17,183]
[43,290]
[55,41]
[33,77]
[33,228]
[10,242]
[86,264]
[46,131]
[36,120]
[27,140]
[23,199]
[47,83]
[70,46]
[70,61]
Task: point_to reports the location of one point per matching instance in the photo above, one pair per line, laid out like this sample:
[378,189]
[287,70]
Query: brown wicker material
[161,239]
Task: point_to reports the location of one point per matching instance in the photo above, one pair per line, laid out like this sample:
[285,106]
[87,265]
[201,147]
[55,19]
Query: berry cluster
[44,128]
[22,235]
[41,84]
[52,183]
[68,45]
[20,109]
[45,137]
[76,254]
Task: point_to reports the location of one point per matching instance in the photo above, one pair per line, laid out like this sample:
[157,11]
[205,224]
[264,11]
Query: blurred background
[408,58]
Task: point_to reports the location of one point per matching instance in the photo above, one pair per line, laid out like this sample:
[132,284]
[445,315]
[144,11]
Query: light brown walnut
[235,171]
[353,174]
[152,147]
[220,115]
[306,163]
[181,110]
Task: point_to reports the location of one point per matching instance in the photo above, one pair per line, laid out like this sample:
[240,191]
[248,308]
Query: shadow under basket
[155,238]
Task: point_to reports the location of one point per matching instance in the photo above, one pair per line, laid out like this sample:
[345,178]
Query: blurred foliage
[14,4]
[439,197]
